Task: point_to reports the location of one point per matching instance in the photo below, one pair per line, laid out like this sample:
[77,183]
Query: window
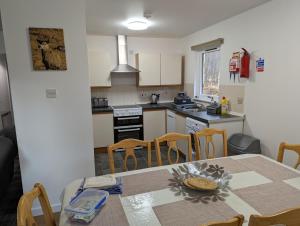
[207,83]
[210,72]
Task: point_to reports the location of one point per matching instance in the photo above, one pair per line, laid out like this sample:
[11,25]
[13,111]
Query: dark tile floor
[102,167]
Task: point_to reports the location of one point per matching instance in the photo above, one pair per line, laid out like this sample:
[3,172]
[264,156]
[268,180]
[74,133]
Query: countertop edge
[164,106]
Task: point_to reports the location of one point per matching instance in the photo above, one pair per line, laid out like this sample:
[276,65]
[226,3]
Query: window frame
[198,81]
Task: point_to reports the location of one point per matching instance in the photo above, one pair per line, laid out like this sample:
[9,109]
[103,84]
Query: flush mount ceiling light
[137,24]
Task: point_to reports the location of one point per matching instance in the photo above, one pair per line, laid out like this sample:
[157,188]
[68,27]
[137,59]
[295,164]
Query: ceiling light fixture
[137,24]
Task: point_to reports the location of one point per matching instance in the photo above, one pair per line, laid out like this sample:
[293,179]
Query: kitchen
[193,52]
[144,92]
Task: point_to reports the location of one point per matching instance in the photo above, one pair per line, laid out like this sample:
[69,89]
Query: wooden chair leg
[158,156]
[197,147]
[281,152]
[111,161]
[149,152]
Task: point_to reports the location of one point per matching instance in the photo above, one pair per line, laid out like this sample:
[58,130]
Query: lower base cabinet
[103,129]
[154,124]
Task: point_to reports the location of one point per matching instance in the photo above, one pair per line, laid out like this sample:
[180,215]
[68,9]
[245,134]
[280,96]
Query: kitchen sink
[194,109]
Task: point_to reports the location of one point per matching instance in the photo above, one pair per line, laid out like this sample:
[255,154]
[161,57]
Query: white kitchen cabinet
[154,124]
[103,129]
[149,65]
[180,128]
[171,69]
[100,64]
[171,121]
[180,123]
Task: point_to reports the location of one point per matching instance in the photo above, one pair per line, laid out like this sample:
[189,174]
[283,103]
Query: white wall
[124,89]
[272,97]
[54,135]
[2,47]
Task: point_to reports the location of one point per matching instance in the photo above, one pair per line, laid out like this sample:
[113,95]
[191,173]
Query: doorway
[11,184]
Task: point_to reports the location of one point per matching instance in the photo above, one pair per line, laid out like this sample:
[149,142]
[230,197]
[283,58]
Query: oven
[128,123]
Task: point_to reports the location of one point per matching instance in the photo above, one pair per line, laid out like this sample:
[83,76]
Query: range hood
[122,60]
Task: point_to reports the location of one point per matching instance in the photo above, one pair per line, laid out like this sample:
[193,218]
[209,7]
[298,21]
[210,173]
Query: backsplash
[124,91]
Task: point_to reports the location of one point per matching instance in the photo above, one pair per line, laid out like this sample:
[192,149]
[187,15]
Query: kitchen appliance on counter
[99,102]
[214,109]
[128,123]
[184,103]
[154,98]
[182,98]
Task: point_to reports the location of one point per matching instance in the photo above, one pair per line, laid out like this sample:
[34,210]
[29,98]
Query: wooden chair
[128,145]
[171,139]
[289,217]
[208,133]
[25,217]
[292,147]
[236,221]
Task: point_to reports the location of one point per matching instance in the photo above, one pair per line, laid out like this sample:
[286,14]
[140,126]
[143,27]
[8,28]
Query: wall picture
[48,49]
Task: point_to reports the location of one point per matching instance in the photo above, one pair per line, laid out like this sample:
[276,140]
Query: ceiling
[170,18]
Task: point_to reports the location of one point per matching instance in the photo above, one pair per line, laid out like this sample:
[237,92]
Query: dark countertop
[102,110]
[200,116]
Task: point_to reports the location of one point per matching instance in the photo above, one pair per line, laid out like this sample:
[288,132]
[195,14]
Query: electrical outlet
[240,100]
[51,93]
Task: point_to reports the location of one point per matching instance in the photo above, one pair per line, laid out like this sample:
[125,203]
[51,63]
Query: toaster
[99,102]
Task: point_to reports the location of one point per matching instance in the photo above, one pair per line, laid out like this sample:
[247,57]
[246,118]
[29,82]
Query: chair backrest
[208,134]
[292,147]
[25,217]
[289,217]
[129,145]
[236,221]
[172,139]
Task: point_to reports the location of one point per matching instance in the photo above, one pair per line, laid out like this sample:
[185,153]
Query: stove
[128,122]
[127,110]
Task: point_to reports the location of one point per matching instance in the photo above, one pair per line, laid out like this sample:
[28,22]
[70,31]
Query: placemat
[270,198]
[230,165]
[146,182]
[271,170]
[192,214]
[112,213]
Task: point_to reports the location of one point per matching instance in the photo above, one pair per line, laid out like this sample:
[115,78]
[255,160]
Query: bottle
[224,105]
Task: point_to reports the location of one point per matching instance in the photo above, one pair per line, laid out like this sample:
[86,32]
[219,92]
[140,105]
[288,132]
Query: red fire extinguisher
[245,64]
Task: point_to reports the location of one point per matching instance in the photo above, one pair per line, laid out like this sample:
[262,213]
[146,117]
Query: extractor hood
[122,60]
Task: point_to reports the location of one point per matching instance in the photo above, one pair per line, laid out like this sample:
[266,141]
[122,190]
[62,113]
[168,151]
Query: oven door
[128,132]
[128,120]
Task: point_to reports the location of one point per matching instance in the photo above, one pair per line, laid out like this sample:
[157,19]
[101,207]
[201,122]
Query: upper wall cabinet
[171,70]
[100,65]
[159,69]
[149,65]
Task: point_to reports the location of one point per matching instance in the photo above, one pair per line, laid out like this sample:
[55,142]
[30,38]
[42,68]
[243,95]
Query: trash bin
[243,144]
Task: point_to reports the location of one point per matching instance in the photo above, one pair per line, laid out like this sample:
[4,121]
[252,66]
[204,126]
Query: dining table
[151,196]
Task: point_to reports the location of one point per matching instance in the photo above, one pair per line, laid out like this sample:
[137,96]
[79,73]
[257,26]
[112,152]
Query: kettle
[154,98]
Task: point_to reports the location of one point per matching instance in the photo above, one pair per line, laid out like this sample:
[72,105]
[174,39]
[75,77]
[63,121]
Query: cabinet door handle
[128,118]
[128,130]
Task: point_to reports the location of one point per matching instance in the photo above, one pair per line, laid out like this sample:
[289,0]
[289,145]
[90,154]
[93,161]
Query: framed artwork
[48,49]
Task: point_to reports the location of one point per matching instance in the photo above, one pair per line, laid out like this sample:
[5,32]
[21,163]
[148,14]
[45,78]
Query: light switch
[51,93]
